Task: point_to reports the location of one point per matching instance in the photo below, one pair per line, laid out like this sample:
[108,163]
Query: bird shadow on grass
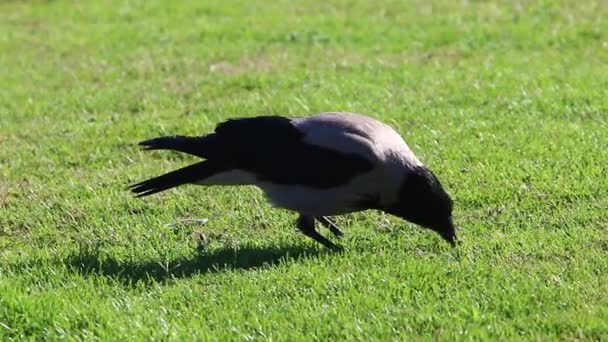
[92,263]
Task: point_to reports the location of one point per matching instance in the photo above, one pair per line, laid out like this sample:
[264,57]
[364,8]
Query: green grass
[506,101]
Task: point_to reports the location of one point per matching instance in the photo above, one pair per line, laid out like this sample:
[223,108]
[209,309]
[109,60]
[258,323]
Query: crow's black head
[423,201]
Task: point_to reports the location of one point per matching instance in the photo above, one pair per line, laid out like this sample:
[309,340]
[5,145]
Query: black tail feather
[189,174]
[191,145]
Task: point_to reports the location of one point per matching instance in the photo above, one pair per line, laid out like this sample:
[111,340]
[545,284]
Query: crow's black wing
[274,150]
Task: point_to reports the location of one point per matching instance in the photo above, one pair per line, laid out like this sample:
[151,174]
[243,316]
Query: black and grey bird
[325,165]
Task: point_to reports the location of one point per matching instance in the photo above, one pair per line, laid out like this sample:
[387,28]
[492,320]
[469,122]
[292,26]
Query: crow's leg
[329,224]
[306,224]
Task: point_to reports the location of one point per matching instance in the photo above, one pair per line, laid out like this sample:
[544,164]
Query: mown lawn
[506,101]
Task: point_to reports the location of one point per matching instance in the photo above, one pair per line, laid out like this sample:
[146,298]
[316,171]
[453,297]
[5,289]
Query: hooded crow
[325,165]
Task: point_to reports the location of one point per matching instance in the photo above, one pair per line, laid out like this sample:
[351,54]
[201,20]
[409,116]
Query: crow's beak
[448,233]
